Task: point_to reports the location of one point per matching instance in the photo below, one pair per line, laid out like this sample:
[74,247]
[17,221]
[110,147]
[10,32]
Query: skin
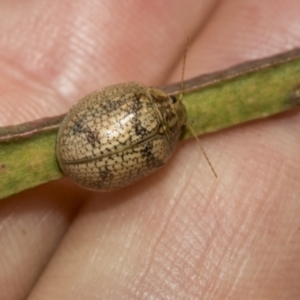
[180,233]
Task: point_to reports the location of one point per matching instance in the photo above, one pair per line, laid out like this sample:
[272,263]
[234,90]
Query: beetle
[118,135]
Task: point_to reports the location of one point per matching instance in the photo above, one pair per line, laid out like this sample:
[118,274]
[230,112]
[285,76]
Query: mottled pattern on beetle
[122,168]
[103,127]
[118,135]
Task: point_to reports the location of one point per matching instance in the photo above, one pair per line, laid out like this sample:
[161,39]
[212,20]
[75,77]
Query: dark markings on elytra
[91,136]
[105,175]
[78,126]
[113,106]
[148,154]
[140,130]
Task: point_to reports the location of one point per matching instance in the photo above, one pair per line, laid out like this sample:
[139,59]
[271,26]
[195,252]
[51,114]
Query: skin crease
[180,233]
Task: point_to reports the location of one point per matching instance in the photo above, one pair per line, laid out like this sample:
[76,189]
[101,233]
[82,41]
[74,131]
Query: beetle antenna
[183,68]
[187,123]
[202,149]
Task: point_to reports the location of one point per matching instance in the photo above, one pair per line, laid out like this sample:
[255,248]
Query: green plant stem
[250,91]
